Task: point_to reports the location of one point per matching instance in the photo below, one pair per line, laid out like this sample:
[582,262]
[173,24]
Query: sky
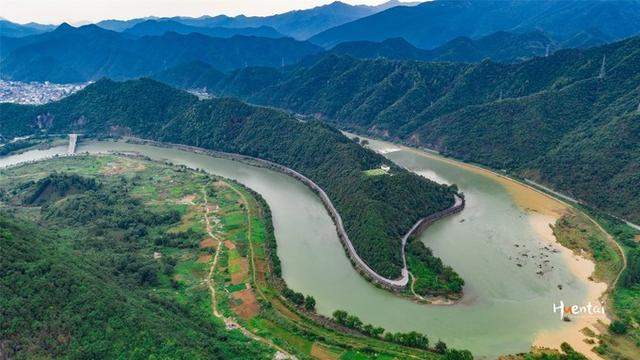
[79,12]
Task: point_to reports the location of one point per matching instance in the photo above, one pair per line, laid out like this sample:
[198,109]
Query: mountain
[376,210]
[433,23]
[89,52]
[159,27]
[501,46]
[10,29]
[122,25]
[299,24]
[566,120]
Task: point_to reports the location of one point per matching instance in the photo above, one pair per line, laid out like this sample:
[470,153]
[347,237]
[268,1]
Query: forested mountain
[71,54]
[159,27]
[501,46]
[299,24]
[11,29]
[376,210]
[433,23]
[570,120]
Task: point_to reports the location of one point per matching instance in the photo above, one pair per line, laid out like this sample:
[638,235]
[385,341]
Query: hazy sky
[81,11]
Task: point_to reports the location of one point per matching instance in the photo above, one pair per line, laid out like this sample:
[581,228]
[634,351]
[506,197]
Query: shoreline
[395,286]
[543,211]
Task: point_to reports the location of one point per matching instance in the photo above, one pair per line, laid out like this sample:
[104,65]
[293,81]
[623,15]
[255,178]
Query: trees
[310,303]
[340,316]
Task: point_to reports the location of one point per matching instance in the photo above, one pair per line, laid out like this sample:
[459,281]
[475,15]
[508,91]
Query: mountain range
[160,27]
[70,54]
[433,23]
[570,120]
[299,24]
[11,29]
[501,46]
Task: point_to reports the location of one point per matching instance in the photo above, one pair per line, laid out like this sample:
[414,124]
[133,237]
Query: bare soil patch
[204,258]
[208,243]
[248,307]
[239,276]
[320,352]
[229,245]
[188,199]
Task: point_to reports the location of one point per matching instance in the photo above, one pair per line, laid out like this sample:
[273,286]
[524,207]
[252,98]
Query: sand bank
[544,211]
[571,332]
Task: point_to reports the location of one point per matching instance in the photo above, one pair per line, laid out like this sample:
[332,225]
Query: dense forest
[376,210]
[570,120]
[78,281]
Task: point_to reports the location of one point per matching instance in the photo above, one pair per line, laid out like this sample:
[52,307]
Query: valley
[293,180]
[485,295]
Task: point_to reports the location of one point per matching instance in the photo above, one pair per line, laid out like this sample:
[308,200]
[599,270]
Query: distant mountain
[10,29]
[500,46]
[122,25]
[159,27]
[570,120]
[299,24]
[433,23]
[89,52]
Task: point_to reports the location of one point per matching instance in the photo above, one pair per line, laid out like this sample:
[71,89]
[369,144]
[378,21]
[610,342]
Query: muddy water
[505,305]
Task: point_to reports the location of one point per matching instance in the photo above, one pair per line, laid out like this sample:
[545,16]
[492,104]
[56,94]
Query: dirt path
[229,322]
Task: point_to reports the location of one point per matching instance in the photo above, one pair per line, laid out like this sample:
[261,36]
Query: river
[505,305]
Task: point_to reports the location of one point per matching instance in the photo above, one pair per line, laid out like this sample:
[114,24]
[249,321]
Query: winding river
[506,303]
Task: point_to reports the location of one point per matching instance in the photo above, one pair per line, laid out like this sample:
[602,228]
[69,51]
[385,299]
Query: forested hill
[70,54]
[565,120]
[377,210]
[501,46]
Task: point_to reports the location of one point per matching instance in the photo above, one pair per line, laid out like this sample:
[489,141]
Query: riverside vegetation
[377,210]
[125,236]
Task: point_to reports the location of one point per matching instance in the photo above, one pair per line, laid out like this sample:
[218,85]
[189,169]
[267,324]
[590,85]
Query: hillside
[487,113]
[376,210]
[79,278]
[159,27]
[433,23]
[501,46]
[71,54]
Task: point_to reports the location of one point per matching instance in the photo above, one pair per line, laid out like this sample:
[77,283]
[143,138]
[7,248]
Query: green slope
[376,210]
[551,119]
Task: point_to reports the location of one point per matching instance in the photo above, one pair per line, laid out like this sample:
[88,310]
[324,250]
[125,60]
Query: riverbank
[543,212]
[395,285]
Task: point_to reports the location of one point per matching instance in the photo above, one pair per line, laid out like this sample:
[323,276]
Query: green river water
[504,305]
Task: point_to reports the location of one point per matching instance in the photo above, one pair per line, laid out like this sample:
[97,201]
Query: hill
[501,46]
[159,27]
[79,277]
[433,23]
[564,120]
[71,54]
[376,210]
